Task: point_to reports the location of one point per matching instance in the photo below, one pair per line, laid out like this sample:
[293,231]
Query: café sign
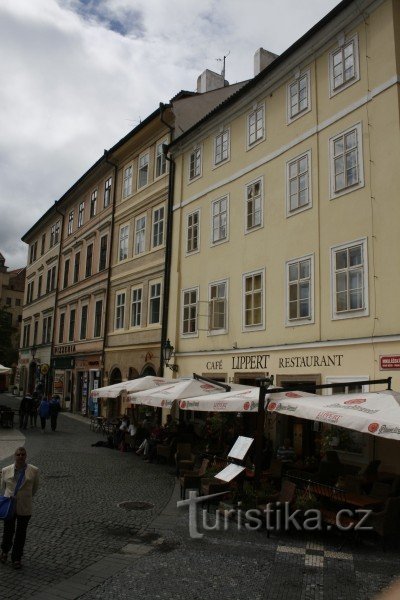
[389,362]
[260,361]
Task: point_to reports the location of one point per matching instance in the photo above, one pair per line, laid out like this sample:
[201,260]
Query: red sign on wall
[389,362]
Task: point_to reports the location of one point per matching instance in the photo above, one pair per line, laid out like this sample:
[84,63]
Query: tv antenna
[223,60]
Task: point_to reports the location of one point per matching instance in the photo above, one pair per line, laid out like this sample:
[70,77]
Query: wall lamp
[168,353]
[33,352]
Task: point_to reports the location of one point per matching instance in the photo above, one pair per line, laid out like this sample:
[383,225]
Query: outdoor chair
[275,470]
[166,451]
[184,458]
[209,486]
[386,523]
[192,479]
[285,496]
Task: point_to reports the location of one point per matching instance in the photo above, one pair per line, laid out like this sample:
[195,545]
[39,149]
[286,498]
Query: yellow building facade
[285,219]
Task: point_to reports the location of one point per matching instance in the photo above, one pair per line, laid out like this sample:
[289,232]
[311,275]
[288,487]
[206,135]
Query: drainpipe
[51,370]
[168,241]
[106,310]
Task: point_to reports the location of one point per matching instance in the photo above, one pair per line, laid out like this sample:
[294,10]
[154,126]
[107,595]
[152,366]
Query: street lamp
[33,351]
[168,352]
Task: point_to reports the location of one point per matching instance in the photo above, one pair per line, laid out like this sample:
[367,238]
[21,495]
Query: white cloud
[72,85]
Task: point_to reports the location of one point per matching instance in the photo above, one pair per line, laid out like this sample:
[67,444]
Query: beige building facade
[43,241]
[285,222]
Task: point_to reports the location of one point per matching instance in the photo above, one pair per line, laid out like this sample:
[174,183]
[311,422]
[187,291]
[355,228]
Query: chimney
[262,58]
[209,80]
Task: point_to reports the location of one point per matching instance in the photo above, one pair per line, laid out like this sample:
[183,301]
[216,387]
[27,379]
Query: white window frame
[71,216]
[293,116]
[101,317]
[127,181]
[191,227]
[357,312]
[217,201]
[117,307]
[143,167]
[81,214]
[221,330]
[248,185]
[123,241]
[261,137]
[195,333]
[224,157]
[260,326]
[298,321]
[136,288]
[142,237]
[156,225]
[107,192]
[360,162]
[160,160]
[343,43]
[93,203]
[197,174]
[297,159]
[154,282]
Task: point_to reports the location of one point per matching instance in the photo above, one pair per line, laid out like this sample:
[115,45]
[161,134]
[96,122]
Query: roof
[269,69]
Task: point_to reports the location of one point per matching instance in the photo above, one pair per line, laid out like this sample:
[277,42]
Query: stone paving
[81,545]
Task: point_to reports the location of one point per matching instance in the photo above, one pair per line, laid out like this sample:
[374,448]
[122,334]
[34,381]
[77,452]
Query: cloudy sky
[77,75]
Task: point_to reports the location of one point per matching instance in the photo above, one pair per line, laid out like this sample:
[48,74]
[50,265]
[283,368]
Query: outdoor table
[343,497]
[362,500]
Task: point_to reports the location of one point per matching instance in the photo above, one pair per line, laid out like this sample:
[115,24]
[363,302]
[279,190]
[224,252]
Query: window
[8,301]
[123,242]
[158,227]
[195,164]
[154,303]
[26,335]
[72,317]
[140,235]
[98,313]
[77,261]
[46,331]
[253,300]
[57,233]
[93,204]
[220,220]
[217,306]
[161,161]
[254,205]
[120,310]
[107,192]
[346,161]
[43,248]
[127,182]
[39,292]
[299,96]
[136,307]
[255,126]
[32,252]
[17,301]
[193,232]
[221,147]
[66,273]
[143,170]
[84,315]
[29,293]
[298,184]
[299,289]
[70,222]
[35,332]
[89,260]
[344,65]
[61,327]
[52,234]
[349,268]
[189,311]
[103,252]
[81,214]
[51,280]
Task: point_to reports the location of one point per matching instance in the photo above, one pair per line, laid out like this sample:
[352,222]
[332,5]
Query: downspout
[106,310]
[168,242]
[57,289]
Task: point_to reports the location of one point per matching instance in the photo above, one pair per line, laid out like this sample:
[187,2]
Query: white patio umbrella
[240,399]
[139,384]
[4,370]
[376,413]
[165,395]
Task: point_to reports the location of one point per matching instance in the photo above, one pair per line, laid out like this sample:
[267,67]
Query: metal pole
[259,437]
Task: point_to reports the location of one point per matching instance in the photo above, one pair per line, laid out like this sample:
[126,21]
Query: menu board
[240,447]
[230,472]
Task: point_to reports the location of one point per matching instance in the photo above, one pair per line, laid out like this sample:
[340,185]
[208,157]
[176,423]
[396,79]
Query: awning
[4,370]
[241,400]
[139,384]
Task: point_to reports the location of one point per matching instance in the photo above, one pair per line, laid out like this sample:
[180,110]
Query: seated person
[286,453]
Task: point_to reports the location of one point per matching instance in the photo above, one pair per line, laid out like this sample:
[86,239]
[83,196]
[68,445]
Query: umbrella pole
[259,437]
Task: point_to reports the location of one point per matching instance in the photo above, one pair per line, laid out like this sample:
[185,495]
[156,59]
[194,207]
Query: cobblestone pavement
[81,545]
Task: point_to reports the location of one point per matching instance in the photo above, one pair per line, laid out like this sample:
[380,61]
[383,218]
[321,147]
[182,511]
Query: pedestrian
[44,412]
[33,410]
[24,408]
[14,533]
[54,408]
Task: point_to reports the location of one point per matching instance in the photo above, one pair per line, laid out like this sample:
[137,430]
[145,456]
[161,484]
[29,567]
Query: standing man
[24,409]
[44,412]
[14,533]
[54,410]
